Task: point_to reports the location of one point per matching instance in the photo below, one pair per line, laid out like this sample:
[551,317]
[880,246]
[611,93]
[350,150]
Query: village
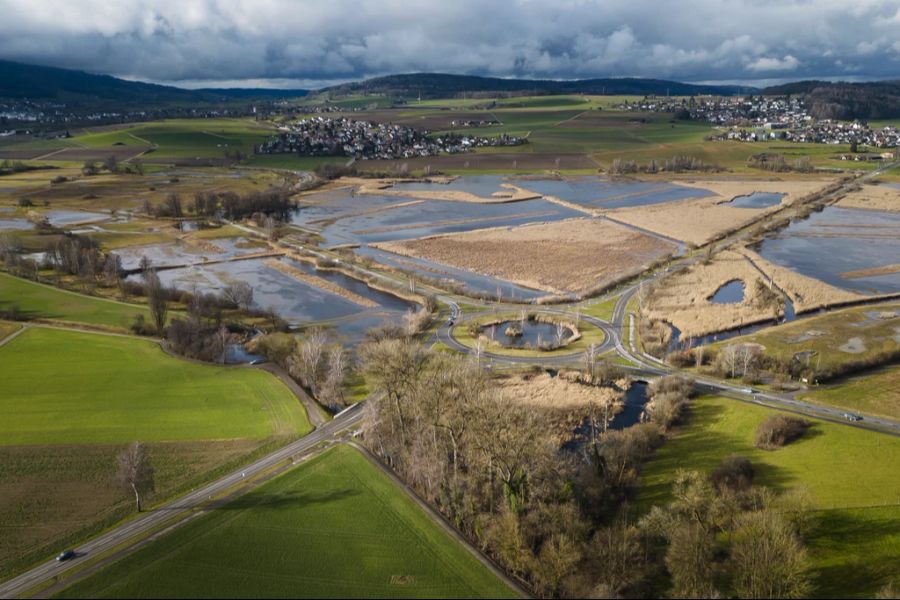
[758,119]
[366,140]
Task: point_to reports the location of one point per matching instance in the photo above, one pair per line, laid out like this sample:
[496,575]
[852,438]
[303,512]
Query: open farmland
[72,400]
[565,257]
[333,527]
[853,544]
[39,301]
[168,399]
[179,141]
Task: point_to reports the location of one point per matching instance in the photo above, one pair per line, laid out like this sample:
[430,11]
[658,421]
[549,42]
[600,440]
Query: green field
[64,387]
[71,400]
[182,138]
[333,527]
[851,474]
[45,302]
[874,392]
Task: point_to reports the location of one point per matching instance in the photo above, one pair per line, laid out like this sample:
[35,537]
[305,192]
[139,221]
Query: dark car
[852,417]
[65,555]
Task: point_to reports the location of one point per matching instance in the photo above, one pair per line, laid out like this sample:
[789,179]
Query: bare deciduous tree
[135,473]
[159,307]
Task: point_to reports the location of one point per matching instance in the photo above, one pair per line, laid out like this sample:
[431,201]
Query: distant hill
[440,85]
[20,80]
[842,100]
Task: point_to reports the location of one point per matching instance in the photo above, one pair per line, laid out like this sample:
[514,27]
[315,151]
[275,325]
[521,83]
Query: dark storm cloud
[312,41]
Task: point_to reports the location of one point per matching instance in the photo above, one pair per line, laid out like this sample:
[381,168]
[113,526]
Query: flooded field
[848,248]
[298,302]
[368,219]
[472,282]
[756,200]
[162,255]
[601,193]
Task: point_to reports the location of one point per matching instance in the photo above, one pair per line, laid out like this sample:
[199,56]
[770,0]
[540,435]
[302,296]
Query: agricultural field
[335,526]
[72,400]
[40,301]
[182,141]
[854,544]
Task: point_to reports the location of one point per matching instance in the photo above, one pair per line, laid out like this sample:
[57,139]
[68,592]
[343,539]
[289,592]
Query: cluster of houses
[364,140]
[760,118]
[474,122]
[817,132]
[727,110]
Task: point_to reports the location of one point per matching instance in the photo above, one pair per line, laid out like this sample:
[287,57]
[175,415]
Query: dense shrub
[779,430]
[734,473]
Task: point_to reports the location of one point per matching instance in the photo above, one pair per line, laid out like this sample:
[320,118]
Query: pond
[730,293]
[527,333]
[840,246]
[789,315]
[755,200]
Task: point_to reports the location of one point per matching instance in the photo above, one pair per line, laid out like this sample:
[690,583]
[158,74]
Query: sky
[313,43]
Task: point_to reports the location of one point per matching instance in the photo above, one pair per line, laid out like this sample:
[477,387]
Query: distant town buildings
[364,140]
[759,118]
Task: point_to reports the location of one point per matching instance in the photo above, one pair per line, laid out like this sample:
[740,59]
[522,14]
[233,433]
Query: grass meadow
[64,387]
[71,401]
[41,301]
[850,473]
[334,527]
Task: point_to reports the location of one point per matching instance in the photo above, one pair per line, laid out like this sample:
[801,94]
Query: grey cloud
[328,40]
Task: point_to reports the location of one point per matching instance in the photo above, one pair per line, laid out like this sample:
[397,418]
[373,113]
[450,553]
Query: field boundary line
[443,523]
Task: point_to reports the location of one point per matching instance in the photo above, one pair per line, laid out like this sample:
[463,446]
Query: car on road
[65,555]
[451,321]
[852,417]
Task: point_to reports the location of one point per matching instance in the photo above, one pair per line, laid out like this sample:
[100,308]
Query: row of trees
[676,164]
[275,203]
